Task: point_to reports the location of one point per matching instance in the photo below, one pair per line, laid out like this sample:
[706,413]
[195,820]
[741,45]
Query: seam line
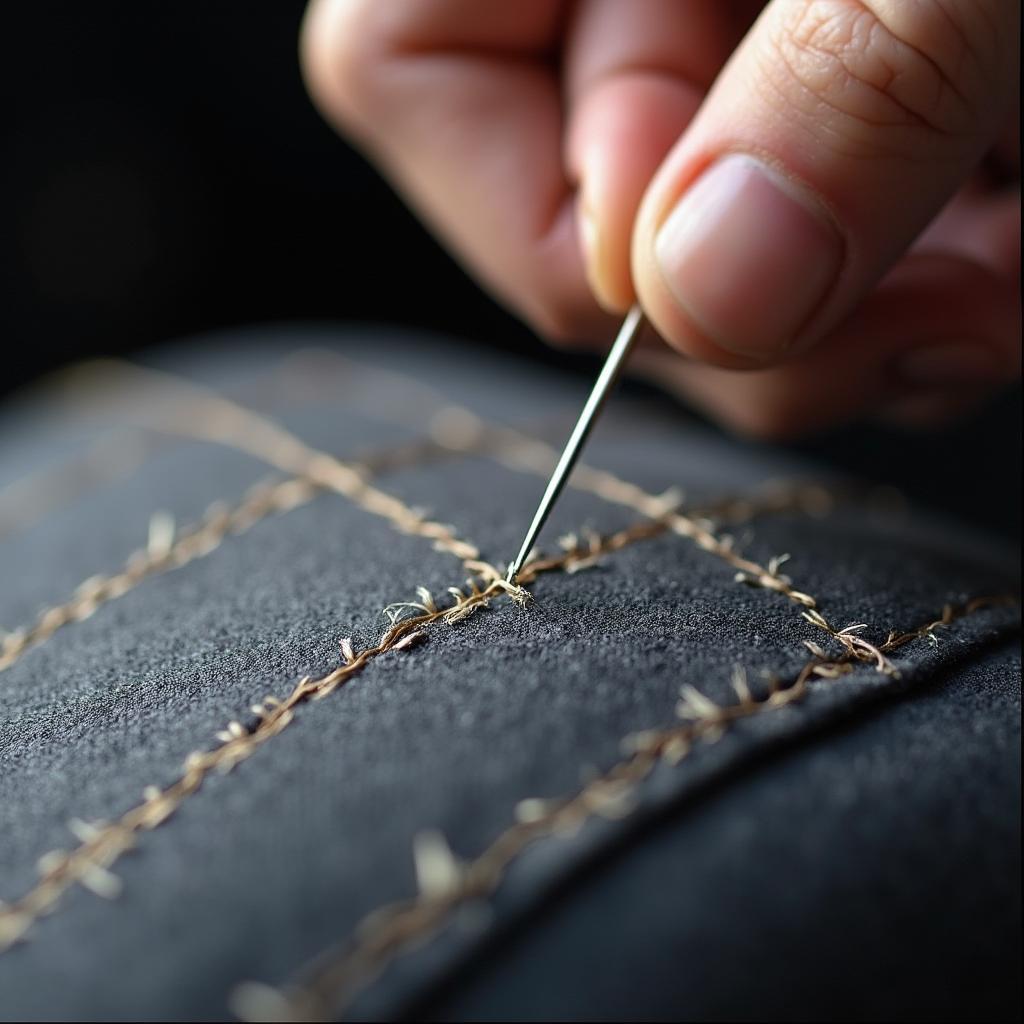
[447,884]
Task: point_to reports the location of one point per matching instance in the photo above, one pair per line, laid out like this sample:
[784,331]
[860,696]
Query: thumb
[835,133]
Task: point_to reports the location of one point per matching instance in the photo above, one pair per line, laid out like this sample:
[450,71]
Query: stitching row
[205,415]
[170,548]
[446,884]
[165,551]
[226,422]
[221,420]
[103,843]
[212,417]
[459,429]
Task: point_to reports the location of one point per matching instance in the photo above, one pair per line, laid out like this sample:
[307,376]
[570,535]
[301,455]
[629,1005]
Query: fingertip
[612,289]
[620,131]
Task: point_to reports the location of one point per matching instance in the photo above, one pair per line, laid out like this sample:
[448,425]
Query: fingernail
[748,256]
[594,257]
[949,364]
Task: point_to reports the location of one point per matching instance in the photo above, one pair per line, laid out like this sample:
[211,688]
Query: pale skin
[816,202]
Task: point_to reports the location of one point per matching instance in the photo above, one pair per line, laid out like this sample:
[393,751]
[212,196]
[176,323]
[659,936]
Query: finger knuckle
[889,73]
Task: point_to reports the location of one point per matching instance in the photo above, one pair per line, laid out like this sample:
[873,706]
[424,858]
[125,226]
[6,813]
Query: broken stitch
[445,883]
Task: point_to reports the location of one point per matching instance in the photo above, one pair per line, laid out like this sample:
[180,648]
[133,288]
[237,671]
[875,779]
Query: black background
[163,173]
[166,173]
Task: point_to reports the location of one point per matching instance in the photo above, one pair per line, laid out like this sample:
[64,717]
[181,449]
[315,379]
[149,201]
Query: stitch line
[165,551]
[228,423]
[103,843]
[209,416]
[460,429]
[179,548]
[225,422]
[446,884]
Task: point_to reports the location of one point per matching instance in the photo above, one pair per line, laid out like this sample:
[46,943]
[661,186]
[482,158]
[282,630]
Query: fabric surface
[843,840]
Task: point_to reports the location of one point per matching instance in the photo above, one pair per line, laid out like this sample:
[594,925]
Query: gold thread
[192,542]
[200,413]
[225,422]
[390,930]
[164,552]
[104,842]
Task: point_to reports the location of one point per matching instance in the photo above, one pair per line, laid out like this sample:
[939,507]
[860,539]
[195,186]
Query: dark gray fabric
[829,882]
[266,867]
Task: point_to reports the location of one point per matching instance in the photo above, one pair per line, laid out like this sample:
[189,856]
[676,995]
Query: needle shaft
[628,333]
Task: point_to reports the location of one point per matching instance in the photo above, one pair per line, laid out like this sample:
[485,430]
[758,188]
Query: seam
[223,421]
[215,418]
[212,417]
[170,548]
[460,429]
[102,843]
[167,549]
[446,884]
[198,412]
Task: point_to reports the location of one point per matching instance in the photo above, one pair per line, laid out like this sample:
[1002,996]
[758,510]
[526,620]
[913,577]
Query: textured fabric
[852,853]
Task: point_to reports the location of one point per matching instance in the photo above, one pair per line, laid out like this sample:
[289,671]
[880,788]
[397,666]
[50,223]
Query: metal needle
[628,333]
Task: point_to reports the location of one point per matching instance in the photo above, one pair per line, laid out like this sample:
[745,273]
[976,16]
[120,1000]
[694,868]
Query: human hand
[815,203]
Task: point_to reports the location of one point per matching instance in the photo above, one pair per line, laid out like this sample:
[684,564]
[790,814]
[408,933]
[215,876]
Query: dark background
[163,173]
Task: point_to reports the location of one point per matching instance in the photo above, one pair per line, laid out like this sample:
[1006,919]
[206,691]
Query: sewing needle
[628,333]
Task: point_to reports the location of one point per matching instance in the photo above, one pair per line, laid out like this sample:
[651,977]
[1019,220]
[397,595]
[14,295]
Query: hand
[828,202]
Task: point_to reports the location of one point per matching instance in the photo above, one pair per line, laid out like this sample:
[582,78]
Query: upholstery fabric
[848,848]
